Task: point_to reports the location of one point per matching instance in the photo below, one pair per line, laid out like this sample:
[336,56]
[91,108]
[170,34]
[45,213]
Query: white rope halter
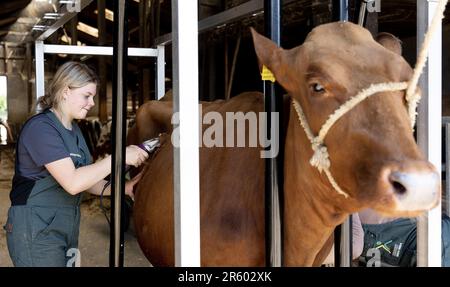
[321,158]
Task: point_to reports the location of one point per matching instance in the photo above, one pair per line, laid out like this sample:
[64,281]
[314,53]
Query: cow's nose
[415,186]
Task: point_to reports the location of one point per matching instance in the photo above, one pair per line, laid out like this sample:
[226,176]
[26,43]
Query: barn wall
[17,100]
[15,68]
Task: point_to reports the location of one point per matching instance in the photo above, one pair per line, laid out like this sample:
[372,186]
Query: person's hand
[135,156]
[129,185]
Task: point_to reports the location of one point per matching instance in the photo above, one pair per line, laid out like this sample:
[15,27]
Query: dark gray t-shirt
[40,143]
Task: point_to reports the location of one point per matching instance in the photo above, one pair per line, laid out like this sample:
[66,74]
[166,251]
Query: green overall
[43,231]
[397,244]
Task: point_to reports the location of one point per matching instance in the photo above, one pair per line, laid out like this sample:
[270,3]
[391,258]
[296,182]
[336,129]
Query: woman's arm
[358,236]
[129,184]
[358,241]
[97,188]
[76,180]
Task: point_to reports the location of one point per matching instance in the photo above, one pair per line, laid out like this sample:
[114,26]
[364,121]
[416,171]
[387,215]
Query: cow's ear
[266,50]
[390,42]
[273,57]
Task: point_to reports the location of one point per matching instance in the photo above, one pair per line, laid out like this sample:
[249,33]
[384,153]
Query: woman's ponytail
[44,102]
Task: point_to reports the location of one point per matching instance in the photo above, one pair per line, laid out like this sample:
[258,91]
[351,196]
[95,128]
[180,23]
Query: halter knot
[320,159]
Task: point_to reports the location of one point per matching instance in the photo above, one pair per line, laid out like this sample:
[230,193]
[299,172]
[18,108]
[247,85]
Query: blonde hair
[72,75]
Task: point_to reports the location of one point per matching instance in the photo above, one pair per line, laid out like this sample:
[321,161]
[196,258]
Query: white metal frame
[186,156]
[429,132]
[161,61]
[41,49]
[40,71]
[446,125]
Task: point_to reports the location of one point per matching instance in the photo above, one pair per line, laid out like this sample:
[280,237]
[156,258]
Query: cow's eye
[318,88]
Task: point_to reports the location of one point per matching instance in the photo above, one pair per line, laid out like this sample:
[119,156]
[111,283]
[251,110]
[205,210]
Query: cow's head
[373,154]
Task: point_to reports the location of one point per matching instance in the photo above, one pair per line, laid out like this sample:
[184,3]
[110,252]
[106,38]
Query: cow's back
[232,199]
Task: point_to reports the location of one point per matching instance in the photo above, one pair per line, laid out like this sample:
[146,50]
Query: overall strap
[79,152]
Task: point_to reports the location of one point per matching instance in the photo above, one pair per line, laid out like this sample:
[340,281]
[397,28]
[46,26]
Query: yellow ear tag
[266,75]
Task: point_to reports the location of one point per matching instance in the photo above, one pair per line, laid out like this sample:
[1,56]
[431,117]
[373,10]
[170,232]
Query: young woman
[53,168]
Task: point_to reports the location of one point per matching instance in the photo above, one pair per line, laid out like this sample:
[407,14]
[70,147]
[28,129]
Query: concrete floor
[94,229]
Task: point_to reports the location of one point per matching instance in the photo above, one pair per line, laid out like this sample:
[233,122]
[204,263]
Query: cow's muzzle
[413,186]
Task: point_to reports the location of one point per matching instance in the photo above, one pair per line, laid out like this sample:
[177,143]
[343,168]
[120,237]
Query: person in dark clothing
[53,168]
[392,241]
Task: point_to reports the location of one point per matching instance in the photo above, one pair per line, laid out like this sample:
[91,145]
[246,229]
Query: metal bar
[228,16]
[340,10]
[29,63]
[97,50]
[161,75]
[73,30]
[371,19]
[102,69]
[186,155]
[346,243]
[429,132]
[118,128]
[362,13]
[143,83]
[67,15]
[40,73]
[340,13]
[337,245]
[447,167]
[3,58]
[273,170]
[226,66]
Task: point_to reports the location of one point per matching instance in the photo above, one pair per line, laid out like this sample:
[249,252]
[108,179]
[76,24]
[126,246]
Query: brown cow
[374,157]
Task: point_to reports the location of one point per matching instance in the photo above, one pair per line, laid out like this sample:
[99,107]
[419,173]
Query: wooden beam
[61,21]
[13,6]
[7,21]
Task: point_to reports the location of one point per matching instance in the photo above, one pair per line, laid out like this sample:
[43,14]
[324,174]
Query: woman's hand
[129,185]
[135,156]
